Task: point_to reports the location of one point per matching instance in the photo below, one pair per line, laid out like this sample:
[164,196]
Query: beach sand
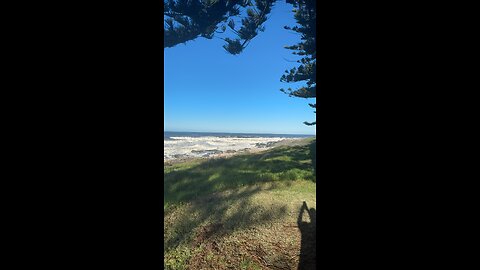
[285,142]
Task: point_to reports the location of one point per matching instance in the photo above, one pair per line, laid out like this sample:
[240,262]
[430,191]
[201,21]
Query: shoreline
[246,151]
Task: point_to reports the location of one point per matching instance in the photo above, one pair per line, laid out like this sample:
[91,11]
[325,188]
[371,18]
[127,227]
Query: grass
[239,212]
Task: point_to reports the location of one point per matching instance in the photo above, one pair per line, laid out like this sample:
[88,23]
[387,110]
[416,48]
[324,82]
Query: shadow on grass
[218,191]
[217,215]
[308,231]
[282,164]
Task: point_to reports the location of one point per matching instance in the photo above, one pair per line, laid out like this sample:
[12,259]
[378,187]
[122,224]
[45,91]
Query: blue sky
[209,90]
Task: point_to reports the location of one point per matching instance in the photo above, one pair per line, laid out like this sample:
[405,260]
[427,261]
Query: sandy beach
[230,153]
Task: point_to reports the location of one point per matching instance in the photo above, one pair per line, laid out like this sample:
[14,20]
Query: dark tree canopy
[185,20]
[305,15]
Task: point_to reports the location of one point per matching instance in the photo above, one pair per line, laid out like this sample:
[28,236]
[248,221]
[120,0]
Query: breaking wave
[206,146]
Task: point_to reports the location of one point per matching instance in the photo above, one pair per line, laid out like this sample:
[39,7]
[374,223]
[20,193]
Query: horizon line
[264,133]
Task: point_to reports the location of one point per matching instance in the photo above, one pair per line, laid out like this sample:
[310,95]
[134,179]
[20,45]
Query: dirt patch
[207,233]
[259,248]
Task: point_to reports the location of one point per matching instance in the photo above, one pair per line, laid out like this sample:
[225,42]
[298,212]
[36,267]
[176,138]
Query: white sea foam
[181,147]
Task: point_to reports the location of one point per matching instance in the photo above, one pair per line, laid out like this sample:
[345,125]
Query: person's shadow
[308,231]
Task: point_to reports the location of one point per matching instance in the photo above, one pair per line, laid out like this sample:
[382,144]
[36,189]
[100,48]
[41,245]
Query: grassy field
[251,211]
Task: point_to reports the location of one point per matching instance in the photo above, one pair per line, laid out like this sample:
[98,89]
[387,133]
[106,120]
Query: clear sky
[209,90]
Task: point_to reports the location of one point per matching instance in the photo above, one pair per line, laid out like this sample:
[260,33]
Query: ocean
[206,144]
[168,134]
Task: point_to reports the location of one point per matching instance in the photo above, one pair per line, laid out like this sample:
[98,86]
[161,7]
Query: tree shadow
[208,218]
[282,164]
[308,231]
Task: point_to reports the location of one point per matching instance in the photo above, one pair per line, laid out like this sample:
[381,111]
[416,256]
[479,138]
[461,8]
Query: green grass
[219,202]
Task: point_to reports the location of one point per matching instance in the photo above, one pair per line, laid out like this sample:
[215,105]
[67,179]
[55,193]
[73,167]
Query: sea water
[198,144]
